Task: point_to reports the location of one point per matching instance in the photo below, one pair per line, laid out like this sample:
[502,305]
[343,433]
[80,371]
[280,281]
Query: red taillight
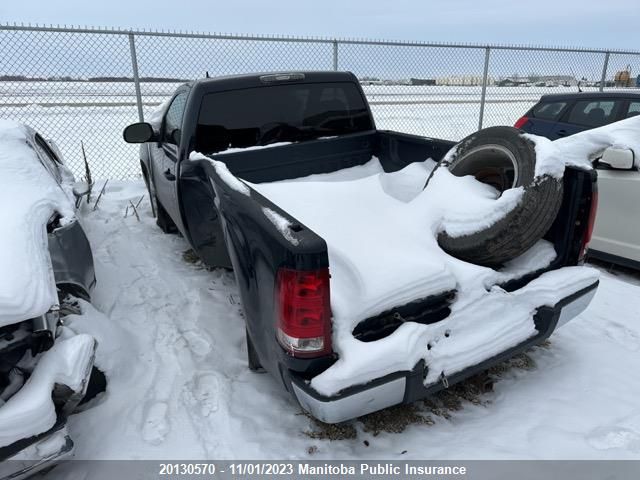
[590,224]
[521,122]
[304,312]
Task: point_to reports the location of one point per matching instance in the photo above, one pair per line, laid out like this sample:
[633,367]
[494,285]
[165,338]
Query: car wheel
[163,220]
[503,158]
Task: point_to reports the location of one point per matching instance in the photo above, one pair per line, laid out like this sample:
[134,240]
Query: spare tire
[503,158]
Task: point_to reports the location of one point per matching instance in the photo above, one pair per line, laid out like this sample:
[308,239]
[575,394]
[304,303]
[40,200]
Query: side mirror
[81,190]
[139,133]
[618,158]
[175,136]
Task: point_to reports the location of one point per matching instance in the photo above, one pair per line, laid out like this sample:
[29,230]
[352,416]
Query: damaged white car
[46,263]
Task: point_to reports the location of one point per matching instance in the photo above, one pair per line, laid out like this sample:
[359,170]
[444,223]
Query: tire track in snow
[193,336]
[140,294]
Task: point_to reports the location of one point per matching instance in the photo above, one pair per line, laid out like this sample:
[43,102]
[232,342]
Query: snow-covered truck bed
[349,299]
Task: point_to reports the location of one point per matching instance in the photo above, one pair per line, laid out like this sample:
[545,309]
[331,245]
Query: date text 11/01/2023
[338,469]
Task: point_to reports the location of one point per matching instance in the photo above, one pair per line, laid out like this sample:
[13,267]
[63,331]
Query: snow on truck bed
[29,196]
[381,232]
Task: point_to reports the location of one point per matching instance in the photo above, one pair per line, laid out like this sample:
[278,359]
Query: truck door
[165,155]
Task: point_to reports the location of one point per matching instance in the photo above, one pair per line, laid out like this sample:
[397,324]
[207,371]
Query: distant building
[463,80]
[512,82]
[538,81]
[422,81]
[371,82]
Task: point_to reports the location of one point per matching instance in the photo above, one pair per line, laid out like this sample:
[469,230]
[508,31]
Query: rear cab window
[548,110]
[280,113]
[594,113]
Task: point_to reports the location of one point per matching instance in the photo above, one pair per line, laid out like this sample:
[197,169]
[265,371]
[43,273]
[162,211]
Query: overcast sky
[583,23]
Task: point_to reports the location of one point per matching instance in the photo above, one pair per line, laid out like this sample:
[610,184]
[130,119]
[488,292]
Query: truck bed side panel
[257,249]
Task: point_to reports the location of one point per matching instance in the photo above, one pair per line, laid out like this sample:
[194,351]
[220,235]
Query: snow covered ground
[97,112]
[171,338]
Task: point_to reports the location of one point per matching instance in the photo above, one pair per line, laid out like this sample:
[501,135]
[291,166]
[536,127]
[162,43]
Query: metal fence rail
[87,84]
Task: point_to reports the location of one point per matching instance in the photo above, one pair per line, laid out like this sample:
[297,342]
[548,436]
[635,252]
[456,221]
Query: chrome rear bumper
[408,386]
[49,451]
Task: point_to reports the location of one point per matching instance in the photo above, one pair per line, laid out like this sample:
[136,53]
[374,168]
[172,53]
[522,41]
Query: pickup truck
[266,128]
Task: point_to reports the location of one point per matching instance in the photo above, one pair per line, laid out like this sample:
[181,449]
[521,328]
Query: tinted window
[548,111]
[259,116]
[634,109]
[173,117]
[594,113]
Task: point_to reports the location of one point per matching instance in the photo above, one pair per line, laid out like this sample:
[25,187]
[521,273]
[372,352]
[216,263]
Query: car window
[47,156]
[280,113]
[634,109]
[173,117]
[549,110]
[594,113]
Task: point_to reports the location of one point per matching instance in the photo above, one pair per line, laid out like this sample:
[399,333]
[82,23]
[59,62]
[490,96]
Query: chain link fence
[85,85]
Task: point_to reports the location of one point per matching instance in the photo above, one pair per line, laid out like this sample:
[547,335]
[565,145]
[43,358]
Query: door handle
[561,133]
[168,175]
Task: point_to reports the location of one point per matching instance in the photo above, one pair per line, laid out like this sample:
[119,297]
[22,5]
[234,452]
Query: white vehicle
[616,235]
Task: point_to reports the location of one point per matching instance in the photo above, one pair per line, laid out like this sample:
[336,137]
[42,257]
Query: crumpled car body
[43,377]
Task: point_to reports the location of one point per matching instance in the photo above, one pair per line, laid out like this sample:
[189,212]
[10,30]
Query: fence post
[604,71]
[335,55]
[136,77]
[485,80]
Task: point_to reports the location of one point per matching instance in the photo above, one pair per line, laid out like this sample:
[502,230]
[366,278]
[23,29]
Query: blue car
[556,116]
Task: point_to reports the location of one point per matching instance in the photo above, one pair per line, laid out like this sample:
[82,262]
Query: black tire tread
[163,220]
[521,228]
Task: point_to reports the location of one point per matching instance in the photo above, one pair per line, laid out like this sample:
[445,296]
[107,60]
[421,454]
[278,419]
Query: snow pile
[31,410]
[355,218]
[466,205]
[155,116]
[255,147]
[381,232]
[537,257]
[282,224]
[581,149]
[224,173]
[29,196]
